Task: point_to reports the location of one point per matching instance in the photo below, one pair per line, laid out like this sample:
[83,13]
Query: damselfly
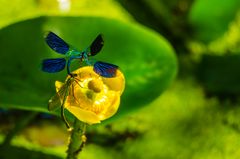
[70,53]
[65,91]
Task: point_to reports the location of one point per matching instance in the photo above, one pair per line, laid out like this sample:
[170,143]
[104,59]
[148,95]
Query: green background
[181,63]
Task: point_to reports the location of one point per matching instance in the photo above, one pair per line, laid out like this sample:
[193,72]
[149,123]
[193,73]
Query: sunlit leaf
[146,59]
[17,10]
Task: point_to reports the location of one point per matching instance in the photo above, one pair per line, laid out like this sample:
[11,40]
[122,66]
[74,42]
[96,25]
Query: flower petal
[116,83]
[84,115]
[112,109]
[58,85]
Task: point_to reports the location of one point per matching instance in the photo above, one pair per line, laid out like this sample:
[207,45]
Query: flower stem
[77,139]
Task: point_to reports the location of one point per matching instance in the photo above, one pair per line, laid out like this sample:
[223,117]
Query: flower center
[94,92]
[95,85]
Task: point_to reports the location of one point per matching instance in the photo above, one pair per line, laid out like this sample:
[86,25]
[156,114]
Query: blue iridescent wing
[56,43]
[105,69]
[53,65]
[96,45]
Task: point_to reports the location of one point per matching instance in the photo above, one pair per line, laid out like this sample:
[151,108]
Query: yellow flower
[93,98]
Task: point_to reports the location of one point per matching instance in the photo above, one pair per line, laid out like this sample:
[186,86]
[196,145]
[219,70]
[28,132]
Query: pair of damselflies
[54,65]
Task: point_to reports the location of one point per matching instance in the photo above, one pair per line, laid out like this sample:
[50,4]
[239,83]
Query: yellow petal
[84,115]
[116,83]
[112,109]
[58,85]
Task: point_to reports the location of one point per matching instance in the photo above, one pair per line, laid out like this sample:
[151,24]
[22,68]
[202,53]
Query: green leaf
[146,59]
[18,10]
[210,19]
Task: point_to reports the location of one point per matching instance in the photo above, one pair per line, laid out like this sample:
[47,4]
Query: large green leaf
[18,10]
[146,59]
[210,19]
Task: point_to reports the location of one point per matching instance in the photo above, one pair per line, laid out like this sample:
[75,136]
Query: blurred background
[181,63]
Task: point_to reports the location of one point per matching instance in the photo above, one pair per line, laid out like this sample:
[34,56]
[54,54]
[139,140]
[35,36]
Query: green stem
[77,139]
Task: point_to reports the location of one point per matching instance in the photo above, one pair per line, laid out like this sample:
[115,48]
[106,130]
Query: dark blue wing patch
[105,69]
[96,45]
[56,43]
[53,65]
